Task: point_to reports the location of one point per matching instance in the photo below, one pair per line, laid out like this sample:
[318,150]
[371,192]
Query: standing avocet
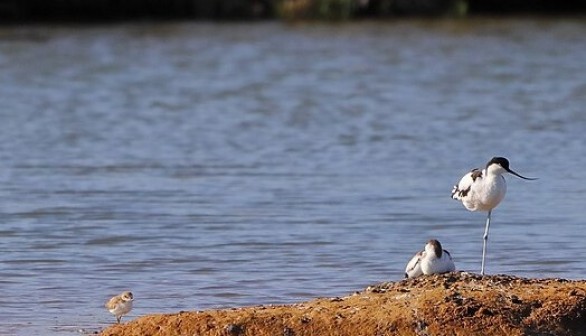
[432,260]
[483,190]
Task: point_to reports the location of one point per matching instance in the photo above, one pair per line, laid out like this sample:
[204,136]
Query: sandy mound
[446,304]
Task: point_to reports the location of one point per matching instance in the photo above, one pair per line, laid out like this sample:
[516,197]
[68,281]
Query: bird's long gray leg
[485,238]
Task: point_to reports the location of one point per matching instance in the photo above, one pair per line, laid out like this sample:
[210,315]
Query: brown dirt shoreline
[457,303]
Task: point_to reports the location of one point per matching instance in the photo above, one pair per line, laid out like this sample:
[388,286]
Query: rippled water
[205,166]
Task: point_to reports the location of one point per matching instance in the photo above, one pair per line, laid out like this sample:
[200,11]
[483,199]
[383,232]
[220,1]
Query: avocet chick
[120,305]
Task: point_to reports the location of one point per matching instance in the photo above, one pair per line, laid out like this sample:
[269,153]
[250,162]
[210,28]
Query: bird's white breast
[121,308]
[489,193]
[438,265]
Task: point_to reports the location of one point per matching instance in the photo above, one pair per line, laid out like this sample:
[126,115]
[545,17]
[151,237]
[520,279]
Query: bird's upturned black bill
[523,177]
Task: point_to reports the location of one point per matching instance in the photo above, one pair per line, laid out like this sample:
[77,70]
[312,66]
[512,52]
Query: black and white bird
[432,260]
[483,190]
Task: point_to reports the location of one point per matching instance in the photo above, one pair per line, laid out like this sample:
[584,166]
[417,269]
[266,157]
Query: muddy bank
[449,304]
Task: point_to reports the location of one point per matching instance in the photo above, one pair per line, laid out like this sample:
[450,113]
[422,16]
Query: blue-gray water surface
[219,165]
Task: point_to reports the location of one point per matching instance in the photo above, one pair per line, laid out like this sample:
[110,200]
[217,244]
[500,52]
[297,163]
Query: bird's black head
[501,161]
[504,163]
[437,247]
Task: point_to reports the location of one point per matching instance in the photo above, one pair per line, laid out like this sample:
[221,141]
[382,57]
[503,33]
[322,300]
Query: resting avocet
[483,190]
[432,260]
